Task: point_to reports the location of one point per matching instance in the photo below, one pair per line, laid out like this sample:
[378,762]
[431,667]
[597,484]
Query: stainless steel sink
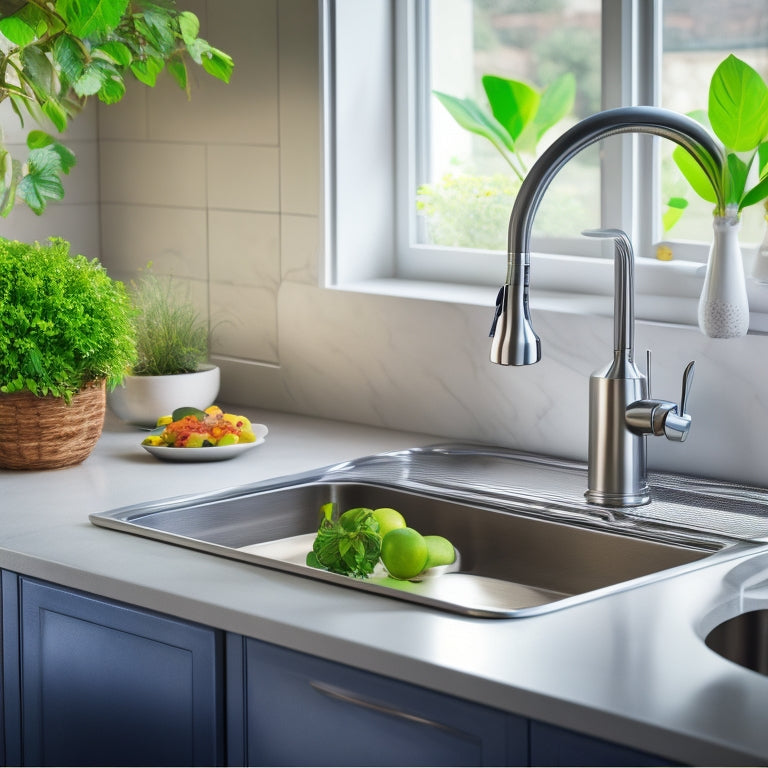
[522,551]
[743,640]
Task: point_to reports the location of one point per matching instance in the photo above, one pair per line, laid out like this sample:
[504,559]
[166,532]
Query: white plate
[214,453]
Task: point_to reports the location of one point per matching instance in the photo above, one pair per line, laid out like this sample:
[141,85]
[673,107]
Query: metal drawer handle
[339,694]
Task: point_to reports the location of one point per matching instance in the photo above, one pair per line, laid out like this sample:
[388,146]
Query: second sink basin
[518,557]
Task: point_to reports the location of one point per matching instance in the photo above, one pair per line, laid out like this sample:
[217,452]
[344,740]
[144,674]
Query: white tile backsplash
[175,240]
[153,173]
[243,178]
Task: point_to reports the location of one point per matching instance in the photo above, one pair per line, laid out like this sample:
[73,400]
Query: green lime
[388,519]
[404,553]
[440,551]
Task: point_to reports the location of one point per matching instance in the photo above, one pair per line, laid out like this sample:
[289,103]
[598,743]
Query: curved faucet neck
[660,122]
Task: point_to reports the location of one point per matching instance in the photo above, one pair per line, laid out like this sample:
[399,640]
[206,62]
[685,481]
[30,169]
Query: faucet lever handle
[677,422]
[687,382]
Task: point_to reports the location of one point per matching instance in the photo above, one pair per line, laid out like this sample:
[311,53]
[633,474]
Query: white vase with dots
[723,306]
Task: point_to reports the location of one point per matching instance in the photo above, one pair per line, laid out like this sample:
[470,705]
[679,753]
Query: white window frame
[371,175]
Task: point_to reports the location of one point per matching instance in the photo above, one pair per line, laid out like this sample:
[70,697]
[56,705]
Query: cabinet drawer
[302,710]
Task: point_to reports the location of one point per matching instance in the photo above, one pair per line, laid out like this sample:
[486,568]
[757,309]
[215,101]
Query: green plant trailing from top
[520,114]
[170,336]
[737,114]
[55,54]
[63,321]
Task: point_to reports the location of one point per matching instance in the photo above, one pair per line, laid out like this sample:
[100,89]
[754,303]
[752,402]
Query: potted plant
[171,368]
[66,334]
[737,115]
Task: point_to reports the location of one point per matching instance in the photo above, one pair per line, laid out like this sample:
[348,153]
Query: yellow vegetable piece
[247,436]
[228,439]
[163,420]
[153,440]
[239,421]
[213,410]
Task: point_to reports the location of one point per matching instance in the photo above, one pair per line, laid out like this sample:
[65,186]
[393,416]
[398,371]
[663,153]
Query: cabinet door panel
[301,710]
[104,683]
[554,746]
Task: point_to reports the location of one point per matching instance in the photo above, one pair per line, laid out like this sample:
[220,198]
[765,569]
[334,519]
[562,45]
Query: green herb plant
[737,114]
[171,338]
[349,545]
[520,114]
[63,321]
[55,54]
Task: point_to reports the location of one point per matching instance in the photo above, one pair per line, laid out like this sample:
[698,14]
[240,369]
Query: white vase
[141,400]
[723,306]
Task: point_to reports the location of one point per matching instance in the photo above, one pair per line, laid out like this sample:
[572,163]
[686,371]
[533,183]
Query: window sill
[669,310]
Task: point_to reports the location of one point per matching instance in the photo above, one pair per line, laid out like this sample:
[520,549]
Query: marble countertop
[630,667]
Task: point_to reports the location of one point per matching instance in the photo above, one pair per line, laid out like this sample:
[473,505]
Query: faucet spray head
[514,340]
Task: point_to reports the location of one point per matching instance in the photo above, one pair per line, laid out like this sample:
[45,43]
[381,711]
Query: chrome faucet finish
[622,413]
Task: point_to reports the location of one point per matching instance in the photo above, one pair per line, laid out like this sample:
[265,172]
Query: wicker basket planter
[45,432]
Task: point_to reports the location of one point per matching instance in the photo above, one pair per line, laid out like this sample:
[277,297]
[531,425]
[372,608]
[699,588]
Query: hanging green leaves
[56,55]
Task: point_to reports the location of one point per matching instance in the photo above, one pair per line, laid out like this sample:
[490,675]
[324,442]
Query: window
[397,150]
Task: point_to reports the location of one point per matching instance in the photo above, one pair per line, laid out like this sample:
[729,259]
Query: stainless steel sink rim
[403,472]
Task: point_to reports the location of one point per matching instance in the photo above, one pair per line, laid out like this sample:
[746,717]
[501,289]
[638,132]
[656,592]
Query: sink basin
[743,640]
[522,552]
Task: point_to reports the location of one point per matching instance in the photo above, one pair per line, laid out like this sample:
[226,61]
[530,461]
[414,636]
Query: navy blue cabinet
[553,746]
[105,684]
[87,681]
[302,710]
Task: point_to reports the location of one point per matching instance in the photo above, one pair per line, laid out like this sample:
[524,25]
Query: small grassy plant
[63,321]
[171,337]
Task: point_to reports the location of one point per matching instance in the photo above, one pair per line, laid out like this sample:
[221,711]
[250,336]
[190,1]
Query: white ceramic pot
[141,400]
[723,306]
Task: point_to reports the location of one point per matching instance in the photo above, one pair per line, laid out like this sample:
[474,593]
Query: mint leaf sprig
[349,545]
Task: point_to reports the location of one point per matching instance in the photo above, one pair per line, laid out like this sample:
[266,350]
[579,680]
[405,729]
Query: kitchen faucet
[621,410]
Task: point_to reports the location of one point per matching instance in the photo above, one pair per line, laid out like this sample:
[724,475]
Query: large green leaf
[217,64]
[146,70]
[115,51]
[37,69]
[70,56]
[556,102]
[736,179]
[513,103]
[178,69]
[759,192]
[42,182]
[694,174]
[189,26]
[470,117]
[738,105]
[91,17]
[17,31]
[39,139]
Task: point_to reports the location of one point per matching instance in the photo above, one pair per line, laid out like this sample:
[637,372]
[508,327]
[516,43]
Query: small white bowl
[142,400]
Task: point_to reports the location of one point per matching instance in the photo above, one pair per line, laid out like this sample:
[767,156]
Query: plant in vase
[66,334]
[171,368]
[737,115]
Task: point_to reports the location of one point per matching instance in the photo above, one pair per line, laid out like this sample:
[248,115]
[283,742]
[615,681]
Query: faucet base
[603,499]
